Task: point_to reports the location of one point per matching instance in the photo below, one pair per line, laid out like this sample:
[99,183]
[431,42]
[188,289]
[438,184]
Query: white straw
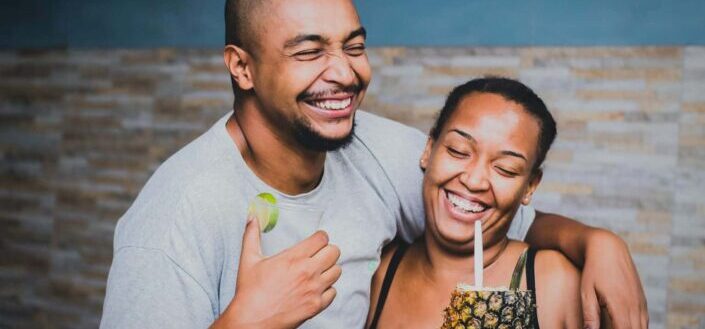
[478,254]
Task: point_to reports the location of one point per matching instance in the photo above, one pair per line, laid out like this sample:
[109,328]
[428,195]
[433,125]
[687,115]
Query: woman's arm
[609,277]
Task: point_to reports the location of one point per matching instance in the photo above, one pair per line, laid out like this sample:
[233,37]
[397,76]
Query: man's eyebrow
[359,32]
[293,42]
[304,37]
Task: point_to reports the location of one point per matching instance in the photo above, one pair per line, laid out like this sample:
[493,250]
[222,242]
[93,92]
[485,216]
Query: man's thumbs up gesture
[284,290]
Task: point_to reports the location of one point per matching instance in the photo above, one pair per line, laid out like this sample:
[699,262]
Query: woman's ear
[533,185]
[423,163]
[238,62]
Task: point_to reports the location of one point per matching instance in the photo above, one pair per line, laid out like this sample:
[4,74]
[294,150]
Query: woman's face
[479,169]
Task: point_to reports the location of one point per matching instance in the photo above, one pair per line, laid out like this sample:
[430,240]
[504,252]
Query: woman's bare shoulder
[557,290]
[559,264]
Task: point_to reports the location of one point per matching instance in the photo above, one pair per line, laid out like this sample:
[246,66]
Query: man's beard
[313,140]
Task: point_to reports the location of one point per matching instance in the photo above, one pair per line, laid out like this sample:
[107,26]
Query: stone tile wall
[81,131]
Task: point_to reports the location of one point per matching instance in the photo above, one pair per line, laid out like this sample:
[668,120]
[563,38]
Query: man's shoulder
[389,146]
[390,142]
[389,152]
[205,151]
[370,126]
[190,171]
[187,184]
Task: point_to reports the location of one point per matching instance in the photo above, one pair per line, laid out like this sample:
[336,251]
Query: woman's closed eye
[507,172]
[458,152]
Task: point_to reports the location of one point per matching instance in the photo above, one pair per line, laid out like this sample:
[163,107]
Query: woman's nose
[475,178]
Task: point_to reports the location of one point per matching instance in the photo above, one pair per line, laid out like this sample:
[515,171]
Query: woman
[482,160]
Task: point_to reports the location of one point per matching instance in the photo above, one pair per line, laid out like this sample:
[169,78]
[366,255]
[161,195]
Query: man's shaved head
[299,68]
[241,25]
[241,21]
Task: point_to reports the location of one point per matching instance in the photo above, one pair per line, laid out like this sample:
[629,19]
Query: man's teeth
[333,104]
[465,205]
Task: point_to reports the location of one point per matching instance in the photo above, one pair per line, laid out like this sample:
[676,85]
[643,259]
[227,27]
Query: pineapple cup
[501,308]
[488,308]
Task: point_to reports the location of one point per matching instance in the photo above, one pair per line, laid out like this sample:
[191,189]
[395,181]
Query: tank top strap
[387,283]
[531,282]
[518,271]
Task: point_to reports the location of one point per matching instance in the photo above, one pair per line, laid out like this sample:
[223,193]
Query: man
[186,257]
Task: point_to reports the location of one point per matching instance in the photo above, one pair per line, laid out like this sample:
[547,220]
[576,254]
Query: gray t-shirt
[177,248]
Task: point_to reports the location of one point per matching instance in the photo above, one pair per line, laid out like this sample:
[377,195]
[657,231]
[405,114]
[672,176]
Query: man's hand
[609,277]
[284,290]
[610,281]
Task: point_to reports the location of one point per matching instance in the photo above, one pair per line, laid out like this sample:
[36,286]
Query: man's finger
[635,318]
[644,317]
[251,249]
[621,319]
[331,275]
[605,320]
[591,308]
[326,257]
[309,246]
[327,297]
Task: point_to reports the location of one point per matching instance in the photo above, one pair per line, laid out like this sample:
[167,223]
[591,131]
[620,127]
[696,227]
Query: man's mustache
[306,95]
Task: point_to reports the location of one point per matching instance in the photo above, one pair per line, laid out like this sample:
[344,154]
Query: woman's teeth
[464,204]
[333,104]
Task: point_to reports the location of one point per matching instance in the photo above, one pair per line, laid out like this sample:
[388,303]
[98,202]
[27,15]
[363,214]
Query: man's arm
[609,277]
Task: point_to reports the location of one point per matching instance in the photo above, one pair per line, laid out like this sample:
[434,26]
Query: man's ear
[423,163]
[533,185]
[239,62]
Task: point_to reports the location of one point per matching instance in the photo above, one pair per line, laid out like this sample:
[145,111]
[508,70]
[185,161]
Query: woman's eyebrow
[514,154]
[465,134]
[469,137]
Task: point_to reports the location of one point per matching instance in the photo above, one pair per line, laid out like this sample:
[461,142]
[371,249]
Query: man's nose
[339,70]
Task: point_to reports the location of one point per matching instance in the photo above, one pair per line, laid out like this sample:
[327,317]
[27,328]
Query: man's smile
[332,106]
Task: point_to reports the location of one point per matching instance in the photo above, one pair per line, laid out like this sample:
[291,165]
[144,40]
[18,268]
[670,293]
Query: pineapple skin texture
[489,309]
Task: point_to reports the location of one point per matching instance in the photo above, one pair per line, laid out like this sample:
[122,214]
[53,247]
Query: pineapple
[498,308]
[489,309]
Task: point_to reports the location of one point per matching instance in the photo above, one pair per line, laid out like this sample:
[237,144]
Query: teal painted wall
[192,23]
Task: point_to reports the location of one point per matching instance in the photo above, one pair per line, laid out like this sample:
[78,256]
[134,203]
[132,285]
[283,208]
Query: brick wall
[81,131]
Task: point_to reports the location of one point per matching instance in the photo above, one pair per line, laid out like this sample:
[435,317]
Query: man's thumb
[251,250]
[591,309]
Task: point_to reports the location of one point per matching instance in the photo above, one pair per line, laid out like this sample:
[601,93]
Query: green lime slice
[264,207]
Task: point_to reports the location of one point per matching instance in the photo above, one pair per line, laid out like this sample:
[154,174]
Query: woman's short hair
[511,90]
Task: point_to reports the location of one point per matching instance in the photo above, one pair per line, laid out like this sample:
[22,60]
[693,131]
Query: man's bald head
[241,21]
